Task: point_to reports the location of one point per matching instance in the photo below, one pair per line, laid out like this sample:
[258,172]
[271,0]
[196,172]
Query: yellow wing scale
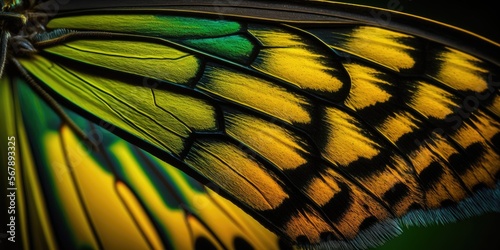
[256,93]
[367,88]
[229,165]
[297,60]
[281,147]
[393,50]
[458,70]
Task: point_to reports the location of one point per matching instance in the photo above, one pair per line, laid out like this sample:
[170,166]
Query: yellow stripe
[495,105]
[397,125]
[382,46]
[140,215]
[346,141]
[97,188]
[485,125]
[196,113]
[322,190]
[173,220]
[432,101]
[307,223]
[238,173]
[36,205]
[300,67]
[290,57]
[271,141]
[256,93]
[246,226]
[461,71]
[448,186]
[484,169]
[366,87]
[65,189]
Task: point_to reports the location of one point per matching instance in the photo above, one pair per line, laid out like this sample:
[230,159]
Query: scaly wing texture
[118,196]
[330,132]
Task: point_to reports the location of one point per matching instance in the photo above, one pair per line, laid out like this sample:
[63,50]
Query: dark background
[480,17]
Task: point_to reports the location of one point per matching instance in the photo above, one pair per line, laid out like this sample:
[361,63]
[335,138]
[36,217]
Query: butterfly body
[325,124]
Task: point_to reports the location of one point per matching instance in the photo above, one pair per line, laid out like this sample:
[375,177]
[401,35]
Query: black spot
[478,187]
[378,113]
[496,140]
[327,236]
[240,243]
[302,239]
[470,104]
[459,163]
[430,175]
[304,174]
[368,167]
[284,244]
[368,222]
[280,216]
[412,141]
[415,206]
[448,203]
[203,243]
[338,205]
[475,151]
[395,194]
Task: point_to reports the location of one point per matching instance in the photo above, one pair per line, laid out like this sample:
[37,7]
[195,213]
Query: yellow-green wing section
[140,112]
[116,197]
[156,61]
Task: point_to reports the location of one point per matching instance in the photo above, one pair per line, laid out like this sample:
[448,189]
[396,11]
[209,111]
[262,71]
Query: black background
[480,17]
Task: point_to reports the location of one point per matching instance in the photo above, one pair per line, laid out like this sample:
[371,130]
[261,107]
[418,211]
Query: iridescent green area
[149,25]
[237,48]
[216,37]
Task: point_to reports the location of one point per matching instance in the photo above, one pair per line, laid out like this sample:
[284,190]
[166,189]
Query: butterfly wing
[265,118]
